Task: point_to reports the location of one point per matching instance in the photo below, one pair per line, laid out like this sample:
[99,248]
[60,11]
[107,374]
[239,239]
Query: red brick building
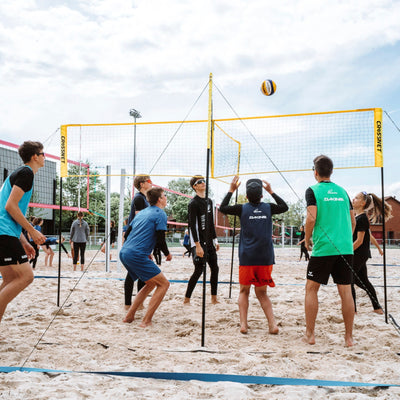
[392,226]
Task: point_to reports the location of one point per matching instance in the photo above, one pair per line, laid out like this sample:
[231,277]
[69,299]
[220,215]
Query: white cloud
[91,61]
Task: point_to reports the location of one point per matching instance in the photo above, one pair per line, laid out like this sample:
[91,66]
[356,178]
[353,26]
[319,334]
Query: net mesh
[255,145]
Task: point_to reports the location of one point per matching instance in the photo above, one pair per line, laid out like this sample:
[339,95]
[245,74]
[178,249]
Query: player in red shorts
[256,251]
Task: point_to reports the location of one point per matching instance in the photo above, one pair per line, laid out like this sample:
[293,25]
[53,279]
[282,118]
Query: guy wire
[179,127]
[60,308]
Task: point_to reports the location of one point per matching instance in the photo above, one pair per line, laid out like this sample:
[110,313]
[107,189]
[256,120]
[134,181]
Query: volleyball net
[243,146]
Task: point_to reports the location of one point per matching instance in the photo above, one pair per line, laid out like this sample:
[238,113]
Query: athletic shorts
[257,275]
[11,251]
[139,267]
[320,268]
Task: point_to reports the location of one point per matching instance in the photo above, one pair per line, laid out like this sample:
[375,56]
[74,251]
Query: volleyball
[268,87]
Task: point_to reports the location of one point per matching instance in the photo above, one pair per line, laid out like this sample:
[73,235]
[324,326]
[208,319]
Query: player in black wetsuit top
[201,241]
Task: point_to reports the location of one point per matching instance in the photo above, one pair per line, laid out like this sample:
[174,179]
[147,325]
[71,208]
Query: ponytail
[373,205]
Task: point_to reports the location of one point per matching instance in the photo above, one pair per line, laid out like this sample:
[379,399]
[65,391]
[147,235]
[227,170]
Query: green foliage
[177,206]
[75,193]
[295,216]
[242,199]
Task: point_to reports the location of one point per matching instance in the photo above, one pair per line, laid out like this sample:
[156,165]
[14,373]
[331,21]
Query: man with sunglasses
[202,241]
[15,249]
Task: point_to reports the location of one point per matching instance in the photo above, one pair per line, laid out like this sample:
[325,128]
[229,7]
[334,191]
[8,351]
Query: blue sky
[91,61]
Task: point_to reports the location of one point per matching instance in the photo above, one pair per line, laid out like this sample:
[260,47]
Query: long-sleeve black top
[198,211]
[278,208]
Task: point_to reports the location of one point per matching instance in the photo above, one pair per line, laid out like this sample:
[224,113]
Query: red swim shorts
[257,275]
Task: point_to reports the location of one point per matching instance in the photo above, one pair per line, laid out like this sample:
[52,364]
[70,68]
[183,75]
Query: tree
[295,215]
[75,194]
[242,199]
[177,206]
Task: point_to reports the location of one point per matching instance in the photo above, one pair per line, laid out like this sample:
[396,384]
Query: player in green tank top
[330,221]
[333,205]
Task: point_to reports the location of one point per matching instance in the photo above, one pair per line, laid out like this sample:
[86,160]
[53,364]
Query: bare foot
[379,311]
[129,317]
[244,328]
[214,299]
[186,301]
[274,330]
[309,338]
[349,341]
[145,324]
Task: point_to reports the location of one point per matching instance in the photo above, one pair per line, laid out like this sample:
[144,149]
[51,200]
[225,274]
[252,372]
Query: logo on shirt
[257,211]
[331,191]
[333,199]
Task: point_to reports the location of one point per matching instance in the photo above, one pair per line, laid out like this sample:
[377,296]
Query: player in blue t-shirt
[147,229]
[15,249]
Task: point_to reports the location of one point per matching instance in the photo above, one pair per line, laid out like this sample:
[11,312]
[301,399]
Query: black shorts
[11,251]
[340,267]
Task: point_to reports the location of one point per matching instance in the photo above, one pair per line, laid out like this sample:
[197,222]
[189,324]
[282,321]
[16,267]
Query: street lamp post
[135,114]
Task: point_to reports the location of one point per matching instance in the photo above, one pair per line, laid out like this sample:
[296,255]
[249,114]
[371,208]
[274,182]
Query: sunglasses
[199,181]
[40,154]
[149,181]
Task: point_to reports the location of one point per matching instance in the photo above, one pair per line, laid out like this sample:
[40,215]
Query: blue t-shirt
[186,239]
[23,178]
[255,246]
[142,239]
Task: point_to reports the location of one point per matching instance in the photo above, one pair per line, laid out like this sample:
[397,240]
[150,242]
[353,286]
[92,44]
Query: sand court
[87,334]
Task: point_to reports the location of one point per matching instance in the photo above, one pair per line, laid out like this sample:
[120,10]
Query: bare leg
[15,279]
[266,305]
[244,307]
[162,287]
[311,310]
[46,257]
[347,312]
[139,299]
[51,255]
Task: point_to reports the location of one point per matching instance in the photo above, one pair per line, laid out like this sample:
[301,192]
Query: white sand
[88,335]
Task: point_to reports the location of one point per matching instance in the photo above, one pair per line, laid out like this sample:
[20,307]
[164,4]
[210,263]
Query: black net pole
[384,245]
[205,256]
[233,250]
[59,248]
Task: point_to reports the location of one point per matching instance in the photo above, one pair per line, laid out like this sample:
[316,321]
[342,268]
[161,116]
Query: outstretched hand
[267,187]
[234,184]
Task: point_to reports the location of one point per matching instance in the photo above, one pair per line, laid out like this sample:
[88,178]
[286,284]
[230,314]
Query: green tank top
[332,233]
